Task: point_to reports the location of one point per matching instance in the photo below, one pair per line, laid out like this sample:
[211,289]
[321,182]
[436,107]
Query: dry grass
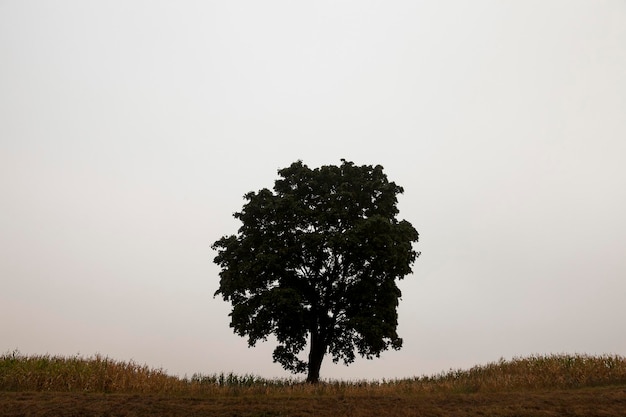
[563,385]
[103,375]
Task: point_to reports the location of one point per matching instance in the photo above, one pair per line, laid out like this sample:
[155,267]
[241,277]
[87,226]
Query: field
[555,385]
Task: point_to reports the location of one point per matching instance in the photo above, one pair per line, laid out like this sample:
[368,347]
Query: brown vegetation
[563,385]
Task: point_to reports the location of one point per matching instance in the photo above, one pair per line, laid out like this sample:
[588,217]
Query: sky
[130,131]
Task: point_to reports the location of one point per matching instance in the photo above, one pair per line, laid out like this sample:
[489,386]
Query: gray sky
[130,130]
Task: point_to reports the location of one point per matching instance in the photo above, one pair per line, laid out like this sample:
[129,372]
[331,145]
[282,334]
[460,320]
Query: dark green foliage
[318,258]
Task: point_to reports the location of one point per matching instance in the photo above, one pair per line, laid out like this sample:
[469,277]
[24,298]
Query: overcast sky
[130,130]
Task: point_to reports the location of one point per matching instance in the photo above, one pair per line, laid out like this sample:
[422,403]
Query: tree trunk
[316,356]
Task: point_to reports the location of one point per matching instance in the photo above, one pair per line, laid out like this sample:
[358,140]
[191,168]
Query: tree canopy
[315,262]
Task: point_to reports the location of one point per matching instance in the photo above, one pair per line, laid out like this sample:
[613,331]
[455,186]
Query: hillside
[575,385]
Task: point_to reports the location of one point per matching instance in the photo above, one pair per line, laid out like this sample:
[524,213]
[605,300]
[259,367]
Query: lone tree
[318,258]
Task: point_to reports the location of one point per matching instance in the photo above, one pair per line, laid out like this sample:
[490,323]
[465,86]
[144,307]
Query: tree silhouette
[317,259]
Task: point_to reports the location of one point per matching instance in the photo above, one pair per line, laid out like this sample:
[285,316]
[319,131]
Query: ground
[587,402]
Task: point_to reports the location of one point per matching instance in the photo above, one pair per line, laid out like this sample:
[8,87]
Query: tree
[318,259]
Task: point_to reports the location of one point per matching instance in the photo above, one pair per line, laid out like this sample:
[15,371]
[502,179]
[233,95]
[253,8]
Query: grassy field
[555,385]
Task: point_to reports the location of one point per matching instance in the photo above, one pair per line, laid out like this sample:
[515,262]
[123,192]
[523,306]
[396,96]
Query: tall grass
[95,374]
[101,374]
[533,373]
